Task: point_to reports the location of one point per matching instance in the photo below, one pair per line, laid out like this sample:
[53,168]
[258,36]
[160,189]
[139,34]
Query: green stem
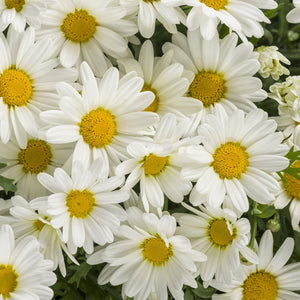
[253,226]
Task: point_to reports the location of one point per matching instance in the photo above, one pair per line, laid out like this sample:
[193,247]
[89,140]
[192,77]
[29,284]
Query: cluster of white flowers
[100,140]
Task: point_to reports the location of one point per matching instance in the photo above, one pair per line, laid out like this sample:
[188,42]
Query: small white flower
[294,15]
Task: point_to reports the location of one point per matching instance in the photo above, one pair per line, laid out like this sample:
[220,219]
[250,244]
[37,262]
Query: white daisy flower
[155,165]
[25,221]
[19,12]
[168,13]
[222,71]
[24,273]
[104,119]
[238,155]
[85,30]
[84,206]
[221,237]
[23,164]
[241,16]
[270,279]
[148,258]
[294,15]
[165,80]
[27,83]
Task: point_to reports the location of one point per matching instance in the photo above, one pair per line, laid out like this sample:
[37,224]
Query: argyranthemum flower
[221,236]
[270,279]
[165,80]
[104,119]
[20,12]
[294,15]
[168,13]
[26,221]
[27,83]
[85,30]
[238,155]
[24,273]
[241,16]
[148,258]
[23,164]
[223,71]
[155,165]
[84,206]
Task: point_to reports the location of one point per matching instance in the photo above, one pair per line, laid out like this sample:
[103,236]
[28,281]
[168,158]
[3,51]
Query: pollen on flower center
[215,4]
[36,157]
[208,87]
[155,250]
[79,26]
[98,127]
[153,164]
[230,160]
[8,281]
[260,285]
[16,4]
[292,184]
[15,87]
[219,233]
[154,105]
[80,203]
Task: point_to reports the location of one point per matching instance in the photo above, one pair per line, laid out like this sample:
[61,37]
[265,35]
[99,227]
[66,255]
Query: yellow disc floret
[80,203]
[15,87]
[208,87]
[260,285]
[219,232]
[154,105]
[38,224]
[79,26]
[292,184]
[215,4]
[230,160]
[36,157]
[16,4]
[8,281]
[98,127]
[153,164]
[155,250]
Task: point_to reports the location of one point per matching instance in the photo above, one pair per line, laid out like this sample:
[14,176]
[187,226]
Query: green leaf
[266,211]
[7,184]
[202,292]
[81,272]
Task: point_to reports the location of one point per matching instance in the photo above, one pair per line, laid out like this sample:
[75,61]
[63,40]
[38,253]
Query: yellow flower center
[8,281]
[154,105]
[15,87]
[153,164]
[292,185]
[215,4]
[38,224]
[16,4]
[260,285]
[230,160]
[79,26]
[80,203]
[98,127]
[208,87]
[155,250]
[219,232]
[36,157]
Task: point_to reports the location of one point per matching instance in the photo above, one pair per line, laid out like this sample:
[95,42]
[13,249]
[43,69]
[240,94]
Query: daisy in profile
[19,12]
[165,79]
[26,221]
[148,258]
[155,165]
[168,13]
[220,236]
[243,17]
[238,155]
[103,119]
[24,273]
[294,15]
[23,164]
[27,83]
[85,207]
[86,30]
[270,279]
[222,71]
